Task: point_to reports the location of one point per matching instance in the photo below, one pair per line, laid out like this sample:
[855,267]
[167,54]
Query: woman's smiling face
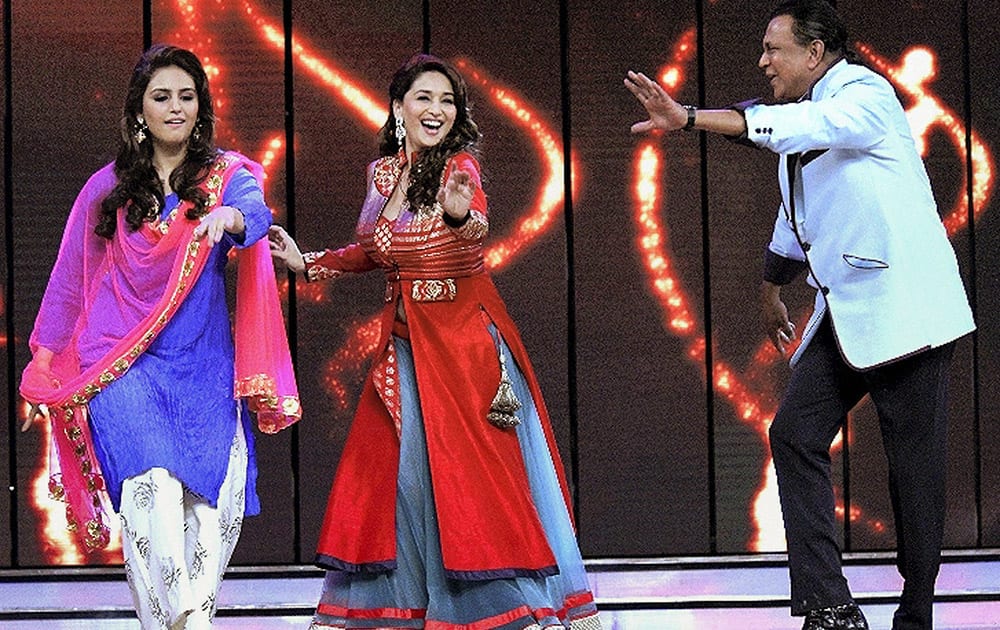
[428,111]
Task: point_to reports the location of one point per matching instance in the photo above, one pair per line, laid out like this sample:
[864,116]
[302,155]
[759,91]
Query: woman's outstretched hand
[219,221]
[284,248]
[37,410]
[456,194]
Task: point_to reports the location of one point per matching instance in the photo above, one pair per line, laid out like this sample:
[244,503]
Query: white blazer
[863,216]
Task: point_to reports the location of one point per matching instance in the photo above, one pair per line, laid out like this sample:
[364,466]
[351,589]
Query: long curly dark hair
[425,174]
[139,190]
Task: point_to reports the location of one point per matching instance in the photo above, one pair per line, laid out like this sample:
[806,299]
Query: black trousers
[910,397]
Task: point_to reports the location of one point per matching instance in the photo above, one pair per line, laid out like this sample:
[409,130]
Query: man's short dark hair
[815,19]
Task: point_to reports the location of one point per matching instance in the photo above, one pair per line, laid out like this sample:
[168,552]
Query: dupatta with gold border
[127,289]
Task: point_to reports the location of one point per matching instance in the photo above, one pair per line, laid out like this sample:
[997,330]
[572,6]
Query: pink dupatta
[120,294]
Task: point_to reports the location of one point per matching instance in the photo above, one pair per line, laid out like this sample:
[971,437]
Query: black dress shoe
[845,617]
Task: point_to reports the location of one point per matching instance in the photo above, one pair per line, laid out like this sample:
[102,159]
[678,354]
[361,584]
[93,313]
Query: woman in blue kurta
[134,354]
[195,350]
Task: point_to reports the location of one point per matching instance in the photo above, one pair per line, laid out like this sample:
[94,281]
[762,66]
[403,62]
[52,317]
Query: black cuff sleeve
[741,107]
[456,223]
[780,270]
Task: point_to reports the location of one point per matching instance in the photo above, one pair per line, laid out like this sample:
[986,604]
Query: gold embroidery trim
[476,227]
[434,290]
[316,272]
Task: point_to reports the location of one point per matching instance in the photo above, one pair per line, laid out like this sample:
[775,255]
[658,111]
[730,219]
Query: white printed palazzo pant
[177,546]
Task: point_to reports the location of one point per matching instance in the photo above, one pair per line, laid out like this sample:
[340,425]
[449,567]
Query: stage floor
[720,593]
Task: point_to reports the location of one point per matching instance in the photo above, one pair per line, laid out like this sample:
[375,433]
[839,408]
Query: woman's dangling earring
[196,134]
[139,130]
[400,130]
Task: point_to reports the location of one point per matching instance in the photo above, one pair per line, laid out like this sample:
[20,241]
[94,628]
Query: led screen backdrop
[630,263]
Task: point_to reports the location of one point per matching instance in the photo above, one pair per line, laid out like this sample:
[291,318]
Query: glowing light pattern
[552,192]
[651,244]
[273,150]
[753,407]
[349,361]
[916,70]
[672,75]
[751,394]
[343,87]
[195,34]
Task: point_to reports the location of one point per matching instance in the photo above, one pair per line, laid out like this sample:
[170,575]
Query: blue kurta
[175,407]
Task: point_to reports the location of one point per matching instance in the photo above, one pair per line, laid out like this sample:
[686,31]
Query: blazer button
[806,247]
[825,290]
[757,130]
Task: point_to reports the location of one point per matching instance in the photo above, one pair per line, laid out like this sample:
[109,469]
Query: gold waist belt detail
[434,290]
[431,290]
[426,290]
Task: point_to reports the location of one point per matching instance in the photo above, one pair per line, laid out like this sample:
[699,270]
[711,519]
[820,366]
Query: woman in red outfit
[449,508]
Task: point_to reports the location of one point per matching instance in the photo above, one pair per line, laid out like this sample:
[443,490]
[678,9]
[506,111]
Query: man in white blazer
[858,217]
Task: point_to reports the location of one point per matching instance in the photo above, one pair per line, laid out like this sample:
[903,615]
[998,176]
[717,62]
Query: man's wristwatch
[691,110]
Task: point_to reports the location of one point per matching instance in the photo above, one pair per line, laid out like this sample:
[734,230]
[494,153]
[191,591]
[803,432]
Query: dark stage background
[631,264]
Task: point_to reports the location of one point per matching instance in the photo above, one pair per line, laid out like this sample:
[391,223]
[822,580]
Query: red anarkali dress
[438,517]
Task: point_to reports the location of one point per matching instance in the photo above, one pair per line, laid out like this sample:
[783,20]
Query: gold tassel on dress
[505,403]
